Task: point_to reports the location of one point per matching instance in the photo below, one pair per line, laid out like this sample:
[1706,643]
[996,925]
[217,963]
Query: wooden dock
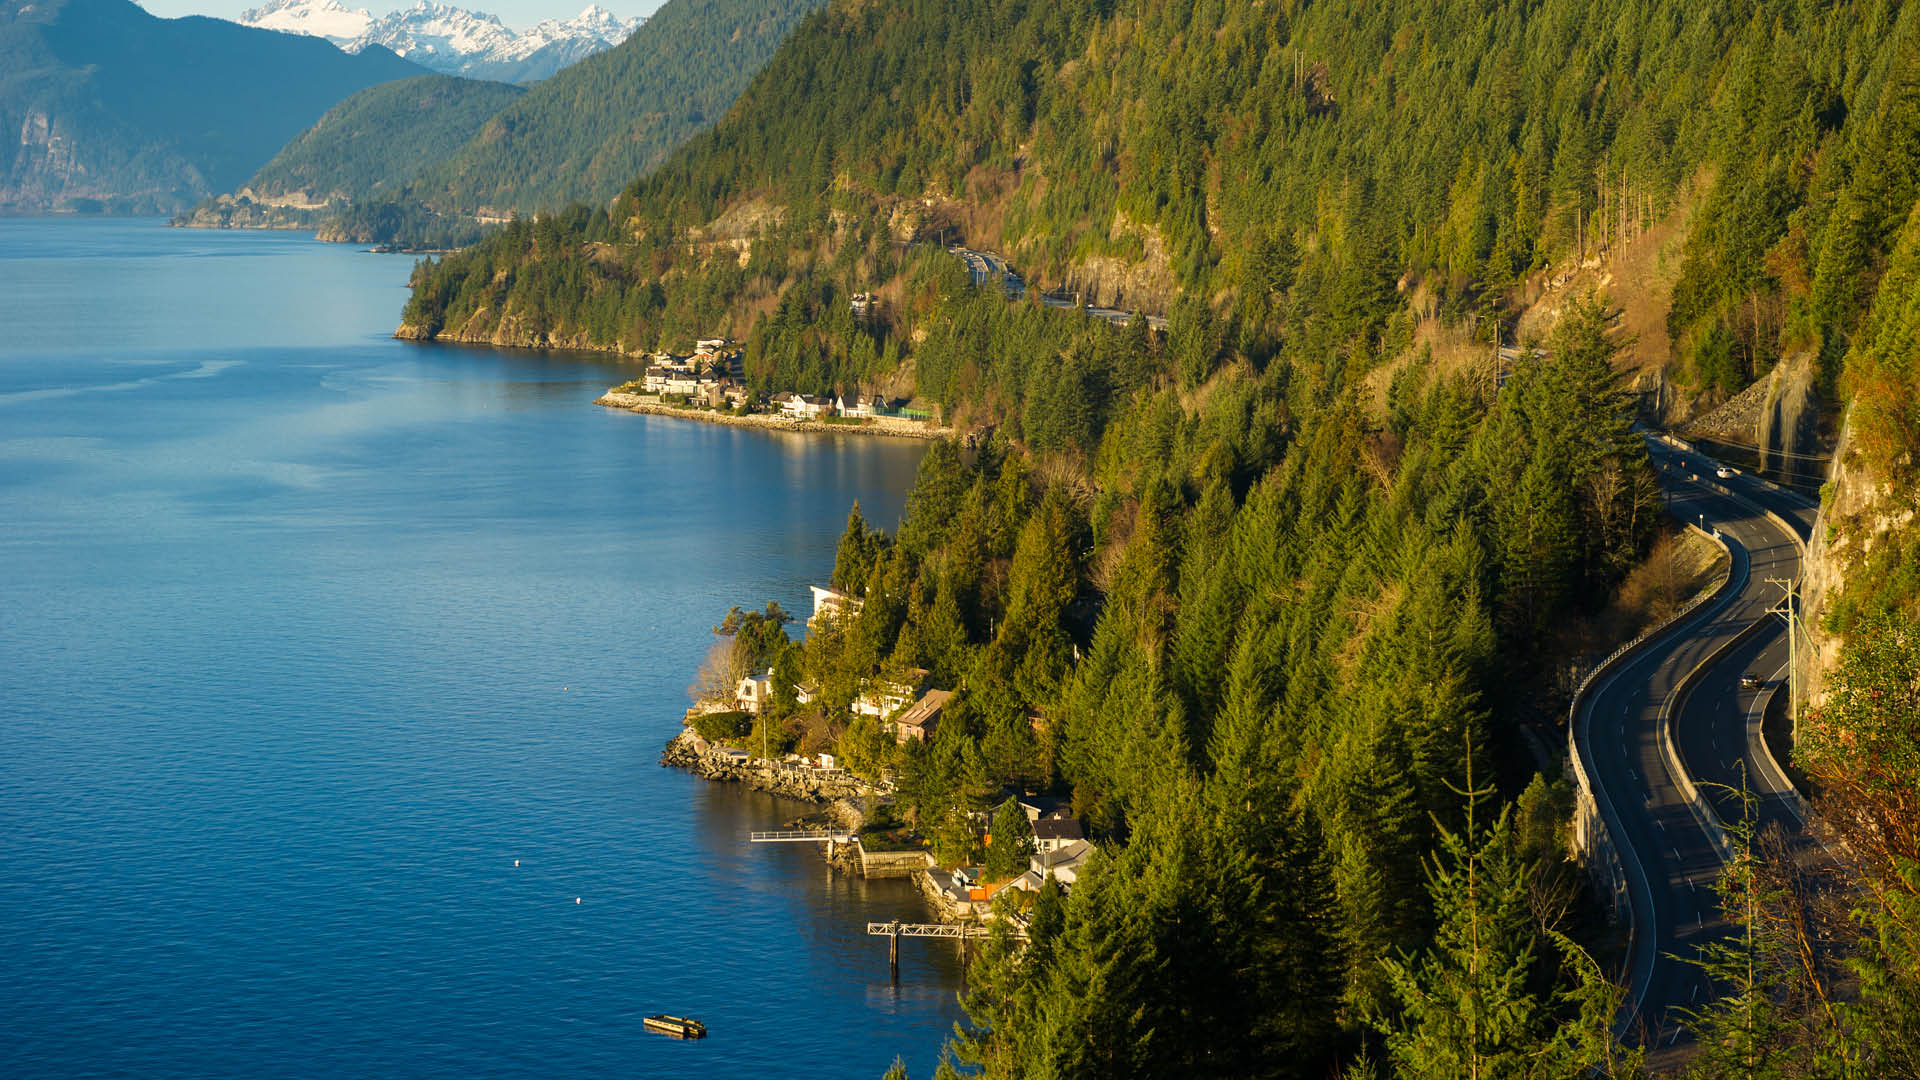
[800,836]
[894,931]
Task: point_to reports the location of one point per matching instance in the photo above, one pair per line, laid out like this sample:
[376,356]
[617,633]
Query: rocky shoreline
[689,751]
[614,399]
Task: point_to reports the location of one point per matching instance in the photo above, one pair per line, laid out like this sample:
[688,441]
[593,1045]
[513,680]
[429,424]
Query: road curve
[1660,730]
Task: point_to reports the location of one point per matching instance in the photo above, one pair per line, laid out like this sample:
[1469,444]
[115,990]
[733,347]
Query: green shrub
[719,726]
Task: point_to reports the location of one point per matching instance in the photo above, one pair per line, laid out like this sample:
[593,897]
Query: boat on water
[678,1026]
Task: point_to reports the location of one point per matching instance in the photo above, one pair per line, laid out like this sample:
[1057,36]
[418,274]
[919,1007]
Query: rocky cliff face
[1787,430]
[1859,512]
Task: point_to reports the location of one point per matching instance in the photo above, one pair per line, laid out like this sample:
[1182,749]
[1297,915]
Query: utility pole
[1789,607]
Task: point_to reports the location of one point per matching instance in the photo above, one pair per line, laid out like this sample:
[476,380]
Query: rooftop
[1058,828]
[925,709]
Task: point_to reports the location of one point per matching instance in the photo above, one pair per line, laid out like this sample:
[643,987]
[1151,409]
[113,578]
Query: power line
[1756,448]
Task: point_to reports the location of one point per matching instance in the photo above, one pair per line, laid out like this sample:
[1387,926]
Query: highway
[986,268]
[1661,731]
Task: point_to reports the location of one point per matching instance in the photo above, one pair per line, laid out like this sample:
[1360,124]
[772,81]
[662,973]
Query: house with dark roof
[1053,833]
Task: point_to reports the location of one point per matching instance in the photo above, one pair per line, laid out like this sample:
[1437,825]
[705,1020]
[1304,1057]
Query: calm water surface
[306,635]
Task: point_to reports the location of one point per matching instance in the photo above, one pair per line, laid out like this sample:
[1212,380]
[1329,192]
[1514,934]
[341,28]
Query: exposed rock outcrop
[689,751]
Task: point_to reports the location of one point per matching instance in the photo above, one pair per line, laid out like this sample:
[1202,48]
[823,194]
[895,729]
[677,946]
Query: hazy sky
[518,14]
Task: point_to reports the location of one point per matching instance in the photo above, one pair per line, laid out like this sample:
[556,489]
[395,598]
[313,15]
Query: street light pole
[1789,607]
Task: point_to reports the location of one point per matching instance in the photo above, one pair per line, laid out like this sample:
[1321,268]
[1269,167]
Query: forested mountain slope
[1276,597]
[113,109]
[1257,155]
[591,128]
[366,147]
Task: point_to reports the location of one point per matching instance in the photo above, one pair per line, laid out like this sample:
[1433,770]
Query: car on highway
[1749,681]
[1723,473]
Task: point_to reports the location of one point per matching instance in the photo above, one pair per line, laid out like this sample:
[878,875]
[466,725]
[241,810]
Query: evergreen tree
[1012,842]
[858,551]
[1466,1007]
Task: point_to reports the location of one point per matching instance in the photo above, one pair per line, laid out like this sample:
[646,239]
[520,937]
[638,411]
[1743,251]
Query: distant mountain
[109,108]
[587,131]
[578,136]
[453,40]
[367,147]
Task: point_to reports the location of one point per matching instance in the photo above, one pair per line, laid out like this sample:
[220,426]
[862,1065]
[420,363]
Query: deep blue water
[306,635]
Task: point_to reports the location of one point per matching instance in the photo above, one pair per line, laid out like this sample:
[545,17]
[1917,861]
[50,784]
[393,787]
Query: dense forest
[1269,594]
[364,149]
[430,164]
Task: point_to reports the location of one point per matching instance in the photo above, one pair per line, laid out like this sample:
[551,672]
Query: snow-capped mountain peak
[316,18]
[454,40]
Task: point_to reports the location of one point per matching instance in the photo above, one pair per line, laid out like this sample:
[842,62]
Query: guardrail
[1703,811]
[1595,818]
[1763,752]
[1756,733]
[1586,803]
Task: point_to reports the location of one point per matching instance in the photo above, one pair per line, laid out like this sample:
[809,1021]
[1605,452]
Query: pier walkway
[800,836]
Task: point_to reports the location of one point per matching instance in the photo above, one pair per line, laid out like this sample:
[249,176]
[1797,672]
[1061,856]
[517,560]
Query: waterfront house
[1062,864]
[881,698]
[920,719]
[682,381]
[830,604]
[754,693]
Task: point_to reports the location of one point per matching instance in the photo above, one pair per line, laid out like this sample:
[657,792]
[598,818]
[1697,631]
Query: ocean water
[306,635]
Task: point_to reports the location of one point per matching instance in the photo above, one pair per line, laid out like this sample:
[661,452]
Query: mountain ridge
[120,110]
[452,40]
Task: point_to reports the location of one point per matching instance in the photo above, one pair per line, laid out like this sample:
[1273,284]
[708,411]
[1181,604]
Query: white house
[806,406]
[831,604]
[1051,834]
[755,692]
[1062,864]
[884,697]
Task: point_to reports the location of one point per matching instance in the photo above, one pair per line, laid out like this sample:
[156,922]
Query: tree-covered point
[1263,647]
[371,144]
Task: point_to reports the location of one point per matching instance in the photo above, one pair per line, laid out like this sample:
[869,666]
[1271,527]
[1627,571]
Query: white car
[1723,472]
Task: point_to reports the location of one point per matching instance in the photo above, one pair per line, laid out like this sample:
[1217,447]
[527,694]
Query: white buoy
[516,862]
[576,899]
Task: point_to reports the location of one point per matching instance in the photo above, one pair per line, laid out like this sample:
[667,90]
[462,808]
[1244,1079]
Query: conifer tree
[1740,1032]
[854,559]
[1012,842]
[1466,1008]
